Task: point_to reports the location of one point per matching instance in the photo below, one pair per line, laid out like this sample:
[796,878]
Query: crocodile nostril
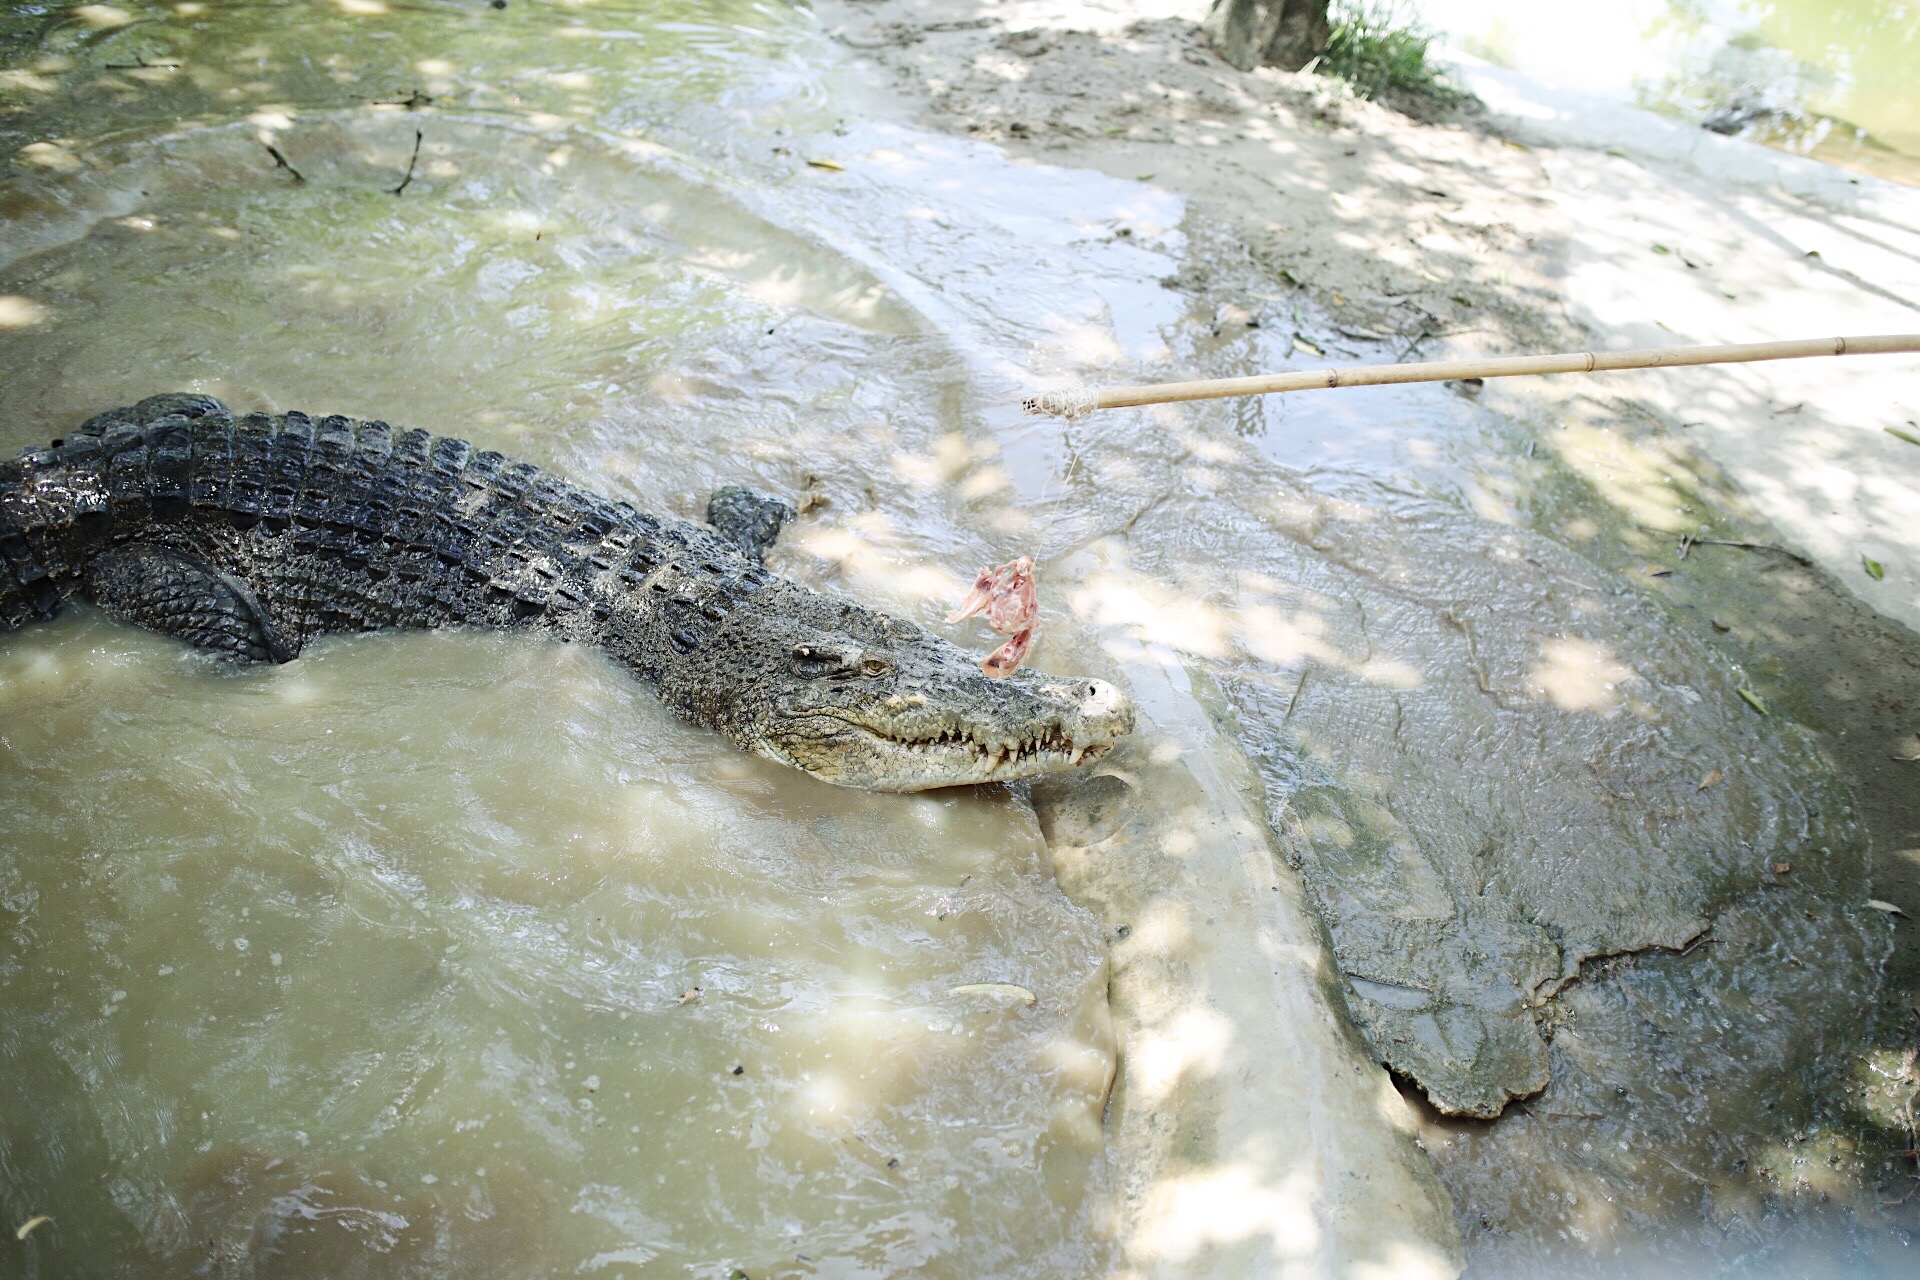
[1102,702]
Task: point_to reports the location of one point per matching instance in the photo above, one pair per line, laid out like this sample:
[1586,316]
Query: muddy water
[1484,751]
[437,955]
[457,956]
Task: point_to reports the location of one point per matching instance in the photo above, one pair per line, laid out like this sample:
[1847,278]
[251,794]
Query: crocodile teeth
[1075,758]
[993,759]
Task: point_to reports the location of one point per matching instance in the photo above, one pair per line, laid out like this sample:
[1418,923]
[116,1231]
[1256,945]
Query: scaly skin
[249,536]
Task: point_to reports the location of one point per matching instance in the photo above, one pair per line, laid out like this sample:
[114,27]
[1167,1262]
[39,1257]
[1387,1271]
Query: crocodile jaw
[1084,721]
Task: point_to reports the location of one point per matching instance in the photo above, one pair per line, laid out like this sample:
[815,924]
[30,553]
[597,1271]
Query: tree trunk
[1273,33]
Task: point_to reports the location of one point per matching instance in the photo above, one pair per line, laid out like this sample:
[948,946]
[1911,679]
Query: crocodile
[247,536]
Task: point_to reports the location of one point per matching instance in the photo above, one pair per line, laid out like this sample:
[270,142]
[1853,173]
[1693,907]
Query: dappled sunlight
[1636,478]
[1192,1042]
[23,80]
[55,155]
[102,16]
[1272,635]
[17,312]
[1078,343]
[1153,612]
[1400,1260]
[870,568]
[1280,633]
[1576,674]
[1187,1215]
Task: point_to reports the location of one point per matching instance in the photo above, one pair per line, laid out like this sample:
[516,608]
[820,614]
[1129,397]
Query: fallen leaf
[1711,780]
[1753,700]
[1301,344]
[1908,436]
[1782,868]
[1874,568]
[688,996]
[1660,248]
[1657,571]
[27,1228]
[1021,994]
[1887,907]
[1907,748]
[831,166]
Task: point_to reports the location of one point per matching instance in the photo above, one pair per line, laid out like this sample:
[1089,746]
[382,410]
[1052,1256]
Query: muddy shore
[1716,501]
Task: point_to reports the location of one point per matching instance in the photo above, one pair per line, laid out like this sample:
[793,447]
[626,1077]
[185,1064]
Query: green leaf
[1754,700]
[1874,569]
[1897,433]
[1660,248]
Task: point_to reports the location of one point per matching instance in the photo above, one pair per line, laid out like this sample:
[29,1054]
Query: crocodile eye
[874,665]
[833,661]
[812,661]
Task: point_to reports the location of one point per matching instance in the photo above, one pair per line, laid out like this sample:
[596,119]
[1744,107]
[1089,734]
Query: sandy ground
[1544,223]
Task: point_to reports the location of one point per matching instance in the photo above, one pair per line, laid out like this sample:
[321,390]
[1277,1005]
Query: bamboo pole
[1079,402]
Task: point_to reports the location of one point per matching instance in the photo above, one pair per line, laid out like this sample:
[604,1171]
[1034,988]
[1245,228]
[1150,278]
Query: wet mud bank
[1597,781]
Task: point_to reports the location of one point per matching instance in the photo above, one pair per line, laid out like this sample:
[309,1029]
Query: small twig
[281,162]
[1685,1173]
[1689,541]
[412,102]
[140,63]
[1751,546]
[410,163]
[1294,701]
[1529,1110]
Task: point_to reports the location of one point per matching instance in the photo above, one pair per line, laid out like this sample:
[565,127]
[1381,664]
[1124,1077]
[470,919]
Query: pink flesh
[1005,660]
[1008,594]
[1011,600]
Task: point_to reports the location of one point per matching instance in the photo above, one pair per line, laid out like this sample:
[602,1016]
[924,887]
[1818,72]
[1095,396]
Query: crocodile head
[861,699]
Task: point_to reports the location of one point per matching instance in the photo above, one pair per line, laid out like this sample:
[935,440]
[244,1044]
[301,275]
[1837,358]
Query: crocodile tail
[50,504]
[114,477]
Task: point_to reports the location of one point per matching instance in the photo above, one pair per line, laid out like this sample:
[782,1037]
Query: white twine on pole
[1073,404]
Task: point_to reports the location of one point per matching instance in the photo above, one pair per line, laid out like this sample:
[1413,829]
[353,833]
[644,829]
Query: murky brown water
[474,876]
[454,955]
